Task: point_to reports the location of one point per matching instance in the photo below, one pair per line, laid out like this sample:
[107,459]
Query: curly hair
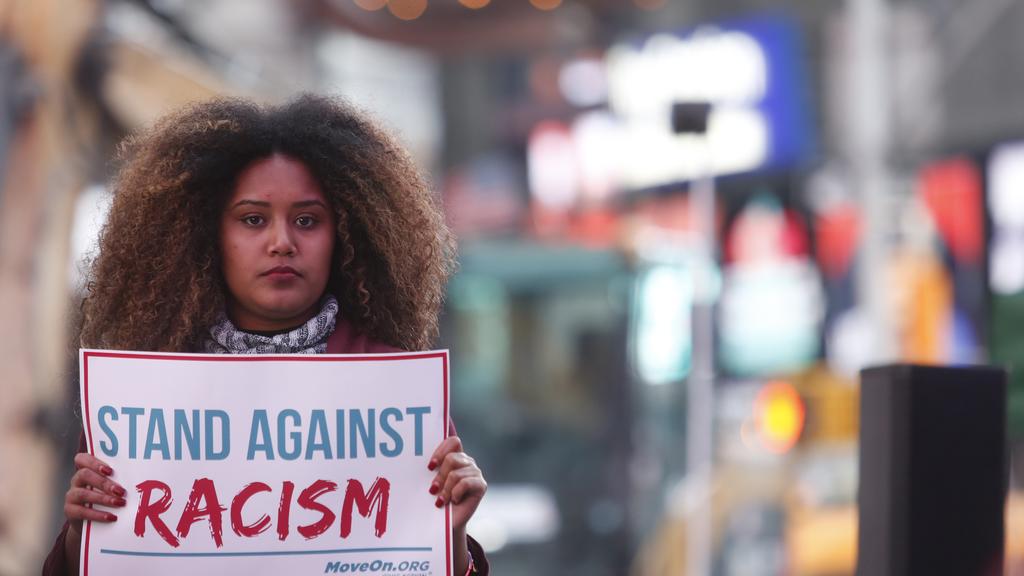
[156,283]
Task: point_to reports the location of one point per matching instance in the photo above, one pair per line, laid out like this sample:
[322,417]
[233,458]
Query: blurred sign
[941,261]
[1006,270]
[1006,205]
[951,189]
[772,303]
[750,70]
[662,341]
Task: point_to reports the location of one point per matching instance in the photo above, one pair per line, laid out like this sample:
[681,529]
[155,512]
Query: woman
[249,230]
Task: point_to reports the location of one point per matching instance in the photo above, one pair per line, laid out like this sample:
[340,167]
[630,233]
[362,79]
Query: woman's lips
[281,272]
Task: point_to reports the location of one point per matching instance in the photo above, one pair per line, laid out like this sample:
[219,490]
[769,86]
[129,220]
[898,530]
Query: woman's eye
[305,221]
[253,220]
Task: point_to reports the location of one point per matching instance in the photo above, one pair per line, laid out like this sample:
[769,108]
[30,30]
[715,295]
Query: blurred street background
[655,335]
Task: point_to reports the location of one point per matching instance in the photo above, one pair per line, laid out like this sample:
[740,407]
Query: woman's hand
[91,484]
[458,481]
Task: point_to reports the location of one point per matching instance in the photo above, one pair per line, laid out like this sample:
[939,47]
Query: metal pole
[700,385]
[869,139]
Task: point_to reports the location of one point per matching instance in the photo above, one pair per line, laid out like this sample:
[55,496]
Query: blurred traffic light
[779,416]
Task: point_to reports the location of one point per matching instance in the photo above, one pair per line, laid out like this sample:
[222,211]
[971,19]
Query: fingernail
[434,488]
[108,470]
[439,503]
[120,502]
[111,517]
[432,465]
[119,491]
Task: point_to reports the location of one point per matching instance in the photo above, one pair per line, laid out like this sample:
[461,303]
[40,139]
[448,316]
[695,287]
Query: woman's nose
[281,241]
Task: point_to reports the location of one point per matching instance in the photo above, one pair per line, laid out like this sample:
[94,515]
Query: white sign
[728,68]
[267,464]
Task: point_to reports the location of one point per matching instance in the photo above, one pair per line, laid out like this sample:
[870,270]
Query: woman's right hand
[90,485]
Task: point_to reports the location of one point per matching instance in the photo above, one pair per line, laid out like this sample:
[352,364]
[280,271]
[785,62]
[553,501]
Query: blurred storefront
[605,173]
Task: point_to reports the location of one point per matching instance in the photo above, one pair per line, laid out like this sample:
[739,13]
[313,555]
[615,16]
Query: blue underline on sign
[272,553]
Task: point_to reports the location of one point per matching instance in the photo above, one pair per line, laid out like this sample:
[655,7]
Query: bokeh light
[474,4]
[546,4]
[779,414]
[407,9]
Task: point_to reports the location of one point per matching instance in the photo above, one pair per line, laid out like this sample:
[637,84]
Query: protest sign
[270,464]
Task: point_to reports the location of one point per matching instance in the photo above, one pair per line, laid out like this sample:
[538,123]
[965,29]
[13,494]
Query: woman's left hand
[458,481]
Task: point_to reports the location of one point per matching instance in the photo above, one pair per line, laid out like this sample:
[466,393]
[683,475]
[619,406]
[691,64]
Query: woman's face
[276,239]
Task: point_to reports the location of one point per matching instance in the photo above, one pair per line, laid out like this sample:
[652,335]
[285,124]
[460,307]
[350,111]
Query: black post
[933,471]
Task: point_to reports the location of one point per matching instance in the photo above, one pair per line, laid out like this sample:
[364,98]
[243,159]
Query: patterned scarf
[310,338]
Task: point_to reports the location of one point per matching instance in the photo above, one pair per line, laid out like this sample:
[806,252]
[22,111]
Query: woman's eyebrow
[251,202]
[261,203]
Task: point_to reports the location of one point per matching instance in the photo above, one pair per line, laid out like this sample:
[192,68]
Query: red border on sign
[88,426]
[448,507]
[443,355]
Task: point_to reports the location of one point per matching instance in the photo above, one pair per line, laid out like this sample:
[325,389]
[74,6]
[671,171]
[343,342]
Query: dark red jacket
[344,340]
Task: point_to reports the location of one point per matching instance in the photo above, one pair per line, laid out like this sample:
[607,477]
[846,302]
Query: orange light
[407,9]
[371,5]
[546,4]
[474,4]
[779,414]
